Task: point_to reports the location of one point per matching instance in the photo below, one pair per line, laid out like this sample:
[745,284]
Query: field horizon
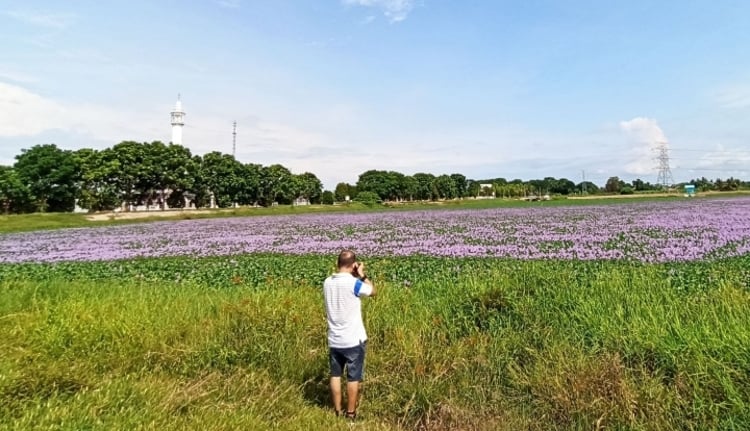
[44,221]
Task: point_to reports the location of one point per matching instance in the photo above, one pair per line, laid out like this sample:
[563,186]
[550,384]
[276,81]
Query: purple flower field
[675,230]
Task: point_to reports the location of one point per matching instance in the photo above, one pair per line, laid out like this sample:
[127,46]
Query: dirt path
[144,214]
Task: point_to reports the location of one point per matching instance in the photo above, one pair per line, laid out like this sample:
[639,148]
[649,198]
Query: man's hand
[359,269]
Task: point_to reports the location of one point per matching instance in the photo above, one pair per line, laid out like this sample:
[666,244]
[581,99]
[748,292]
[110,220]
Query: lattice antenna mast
[665,172]
[583,182]
[234,139]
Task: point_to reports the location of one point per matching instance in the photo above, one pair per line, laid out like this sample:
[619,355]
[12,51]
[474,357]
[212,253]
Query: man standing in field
[347,339]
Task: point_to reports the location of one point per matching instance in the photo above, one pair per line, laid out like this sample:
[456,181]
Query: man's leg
[336,393]
[352,396]
[354,372]
[336,361]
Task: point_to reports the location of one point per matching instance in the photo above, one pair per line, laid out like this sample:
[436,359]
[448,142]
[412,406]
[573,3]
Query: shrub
[327,198]
[368,198]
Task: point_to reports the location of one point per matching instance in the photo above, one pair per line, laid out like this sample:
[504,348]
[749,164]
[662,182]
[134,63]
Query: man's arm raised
[365,279]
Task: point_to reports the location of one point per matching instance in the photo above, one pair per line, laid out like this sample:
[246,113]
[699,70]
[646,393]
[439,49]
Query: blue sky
[485,88]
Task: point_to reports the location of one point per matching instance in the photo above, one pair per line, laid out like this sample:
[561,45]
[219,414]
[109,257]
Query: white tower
[178,120]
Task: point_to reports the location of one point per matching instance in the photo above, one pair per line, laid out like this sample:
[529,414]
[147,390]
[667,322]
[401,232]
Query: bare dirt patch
[144,214]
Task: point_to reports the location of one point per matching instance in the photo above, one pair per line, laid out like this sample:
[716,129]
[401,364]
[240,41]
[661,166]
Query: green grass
[239,343]
[45,221]
[39,221]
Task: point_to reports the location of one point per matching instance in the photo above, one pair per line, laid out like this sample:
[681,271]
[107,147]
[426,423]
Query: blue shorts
[351,357]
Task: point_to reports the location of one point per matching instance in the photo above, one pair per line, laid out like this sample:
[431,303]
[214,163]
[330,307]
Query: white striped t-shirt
[343,309]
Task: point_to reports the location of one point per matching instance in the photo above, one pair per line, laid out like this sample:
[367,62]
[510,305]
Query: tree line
[390,186]
[46,178]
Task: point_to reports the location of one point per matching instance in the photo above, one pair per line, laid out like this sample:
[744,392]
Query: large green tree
[445,186]
[308,186]
[98,187]
[409,187]
[343,190]
[132,173]
[562,186]
[253,177]
[587,187]
[424,186]
[14,195]
[168,169]
[51,175]
[385,184]
[613,185]
[225,177]
[462,186]
[276,185]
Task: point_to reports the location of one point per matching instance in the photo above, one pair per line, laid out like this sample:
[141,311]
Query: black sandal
[351,415]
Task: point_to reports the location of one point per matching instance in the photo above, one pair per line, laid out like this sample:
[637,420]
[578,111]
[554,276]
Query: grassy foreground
[239,343]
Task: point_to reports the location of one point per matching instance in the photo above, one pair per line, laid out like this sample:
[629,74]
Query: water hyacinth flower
[674,230]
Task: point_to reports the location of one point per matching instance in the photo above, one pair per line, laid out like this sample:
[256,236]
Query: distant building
[486,191]
[301,201]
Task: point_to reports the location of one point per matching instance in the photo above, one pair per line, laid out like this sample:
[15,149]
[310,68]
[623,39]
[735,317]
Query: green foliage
[239,343]
[387,185]
[51,175]
[225,177]
[98,182]
[308,186]
[424,186]
[344,190]
[14,195]
[276,185]
[446,187]
[327,198]
[46,178]
[461,184]
[368,198]
[588,188]
[614,185]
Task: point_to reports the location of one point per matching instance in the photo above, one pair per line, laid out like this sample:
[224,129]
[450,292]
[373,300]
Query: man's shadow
[315,388]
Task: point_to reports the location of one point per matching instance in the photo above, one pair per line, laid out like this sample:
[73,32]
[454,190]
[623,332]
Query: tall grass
[454,344]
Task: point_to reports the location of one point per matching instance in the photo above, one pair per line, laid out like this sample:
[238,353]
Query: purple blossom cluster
[675,230]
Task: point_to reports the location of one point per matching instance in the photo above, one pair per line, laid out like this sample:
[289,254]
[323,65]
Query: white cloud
[24,113]
[644,134]
[394,10]
[644,130]
[726,161]
[42,19]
